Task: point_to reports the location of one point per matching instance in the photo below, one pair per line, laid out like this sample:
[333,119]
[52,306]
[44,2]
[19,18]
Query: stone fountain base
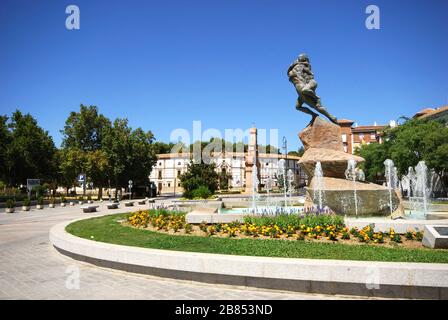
[323,142]
[338,195]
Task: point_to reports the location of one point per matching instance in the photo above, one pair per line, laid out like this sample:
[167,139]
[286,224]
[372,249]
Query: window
[178,184]
[372,136]
[178,163]
[169,184]
[178,172]
[344,138]
[267,163]
[160,174]
[160,164]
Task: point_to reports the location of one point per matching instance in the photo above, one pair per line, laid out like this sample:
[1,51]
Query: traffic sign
[31,183]
[82,178]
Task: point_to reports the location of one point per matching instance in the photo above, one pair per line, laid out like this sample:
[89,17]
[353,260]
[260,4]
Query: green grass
[108,229]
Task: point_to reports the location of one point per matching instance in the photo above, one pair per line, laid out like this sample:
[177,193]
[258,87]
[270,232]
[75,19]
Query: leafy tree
[5,140]
[162,147]
[406,145]
[30,151]
[224,177]
[84,129]
[374,155]
[197,175]
[129,153]
[72,162]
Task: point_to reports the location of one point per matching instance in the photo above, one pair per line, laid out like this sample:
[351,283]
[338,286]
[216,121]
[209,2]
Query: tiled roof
[345,121]
[423,112]
[368,128]
[432,112]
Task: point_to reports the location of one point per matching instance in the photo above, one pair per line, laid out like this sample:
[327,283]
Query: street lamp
[285,150]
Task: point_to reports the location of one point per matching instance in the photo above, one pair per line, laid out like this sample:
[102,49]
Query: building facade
[354,136]
[169,167]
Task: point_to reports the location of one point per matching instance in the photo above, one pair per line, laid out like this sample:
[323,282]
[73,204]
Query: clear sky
[163,64]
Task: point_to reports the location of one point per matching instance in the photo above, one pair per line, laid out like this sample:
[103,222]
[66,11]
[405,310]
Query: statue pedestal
[323,142]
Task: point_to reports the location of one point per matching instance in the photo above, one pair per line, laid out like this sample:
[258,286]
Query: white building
[169,167]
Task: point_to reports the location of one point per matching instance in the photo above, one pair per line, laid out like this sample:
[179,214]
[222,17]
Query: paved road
[30,268]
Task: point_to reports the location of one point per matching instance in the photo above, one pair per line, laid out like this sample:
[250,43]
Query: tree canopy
[406,145]
[199,175]
[26,151]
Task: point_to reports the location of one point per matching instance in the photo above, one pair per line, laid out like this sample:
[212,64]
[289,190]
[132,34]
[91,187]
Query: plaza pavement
[30,268]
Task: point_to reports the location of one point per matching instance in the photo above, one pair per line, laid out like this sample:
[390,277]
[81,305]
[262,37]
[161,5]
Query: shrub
[27,202]
[188,228]
[201,192]
[52,200]
[10,203]
[197,175]
[203,226]
[80,198]
[63,199]
[40,201]
[39,190]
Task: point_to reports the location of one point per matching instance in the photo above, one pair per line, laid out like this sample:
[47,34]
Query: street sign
[130,188]
[31,183]
[82,178]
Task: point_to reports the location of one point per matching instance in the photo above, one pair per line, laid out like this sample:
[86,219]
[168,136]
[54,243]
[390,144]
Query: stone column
[250,158]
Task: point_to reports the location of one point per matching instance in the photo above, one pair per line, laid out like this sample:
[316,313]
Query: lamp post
[285,150]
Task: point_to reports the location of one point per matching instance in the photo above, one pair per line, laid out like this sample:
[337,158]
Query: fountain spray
[318,184]
[281,171]
[390,177]
[421,184]
[350,174]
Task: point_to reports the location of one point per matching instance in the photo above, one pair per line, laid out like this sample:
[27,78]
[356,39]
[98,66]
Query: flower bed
[320,228]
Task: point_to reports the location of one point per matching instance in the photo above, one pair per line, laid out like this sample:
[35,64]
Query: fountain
[319,186]
[290,176]
[255,183]
[281,172]
[268,187]
[350,174]
[391,180]
[421,185]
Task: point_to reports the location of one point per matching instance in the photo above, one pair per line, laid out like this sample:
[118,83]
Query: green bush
[40,201]
[197,175]
[63,199]
[27,202]
[202,192]
[10,203]
[39,190]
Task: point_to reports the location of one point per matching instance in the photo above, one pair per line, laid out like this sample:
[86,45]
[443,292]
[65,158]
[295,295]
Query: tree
[5,140]
[129,153]
[84,129]
[72,162]
[374,155]
[406,145]
[30,151]
[224,178]
[197,175]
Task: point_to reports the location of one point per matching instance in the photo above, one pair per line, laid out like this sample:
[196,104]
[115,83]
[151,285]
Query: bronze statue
[300,74]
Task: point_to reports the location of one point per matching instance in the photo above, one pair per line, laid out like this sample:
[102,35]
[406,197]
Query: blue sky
[163,64]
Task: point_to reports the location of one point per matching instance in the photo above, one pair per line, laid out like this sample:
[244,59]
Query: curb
[360,278]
